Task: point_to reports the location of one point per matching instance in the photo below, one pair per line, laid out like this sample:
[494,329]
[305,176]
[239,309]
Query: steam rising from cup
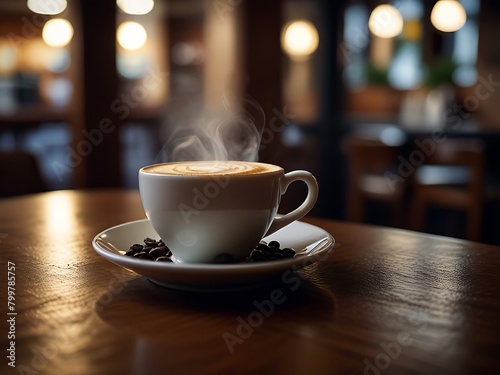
[234,136]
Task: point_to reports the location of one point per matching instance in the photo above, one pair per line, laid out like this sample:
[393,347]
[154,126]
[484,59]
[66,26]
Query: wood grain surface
[386,301]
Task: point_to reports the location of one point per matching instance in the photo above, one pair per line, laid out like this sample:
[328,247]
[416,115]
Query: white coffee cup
[202,209]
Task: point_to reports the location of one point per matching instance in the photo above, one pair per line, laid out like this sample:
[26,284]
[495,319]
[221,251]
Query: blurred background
[393,105]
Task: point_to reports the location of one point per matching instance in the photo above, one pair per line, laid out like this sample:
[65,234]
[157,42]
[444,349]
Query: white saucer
[310,242]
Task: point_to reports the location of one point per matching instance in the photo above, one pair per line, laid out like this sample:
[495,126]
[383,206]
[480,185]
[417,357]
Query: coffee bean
[273,249]
[270,252]
[256,253]
[142,255]
[134,249]
[131,252]
[159,252]
[151,242]
[267,251]
[261,246]
[274,244]
[288,253]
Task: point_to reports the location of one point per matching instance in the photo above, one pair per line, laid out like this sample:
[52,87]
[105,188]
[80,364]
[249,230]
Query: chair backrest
[20,172]
[466,153]
[457,152]
[370,156]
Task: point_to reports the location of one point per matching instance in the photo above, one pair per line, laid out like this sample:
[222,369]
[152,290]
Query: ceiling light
[386,21]
[137,7]
[57,32]
[300,39]
[131,35]
[49,7]
[448,15]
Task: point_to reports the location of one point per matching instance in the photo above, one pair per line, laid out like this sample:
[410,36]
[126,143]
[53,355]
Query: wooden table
[385,301]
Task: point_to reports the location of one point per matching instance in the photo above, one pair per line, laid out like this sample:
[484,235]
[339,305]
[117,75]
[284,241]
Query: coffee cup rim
[277,169]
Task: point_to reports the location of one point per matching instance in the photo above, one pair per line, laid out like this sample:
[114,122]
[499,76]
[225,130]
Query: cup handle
[306,206]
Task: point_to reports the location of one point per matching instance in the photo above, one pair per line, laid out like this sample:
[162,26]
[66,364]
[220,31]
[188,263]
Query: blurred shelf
[34,115]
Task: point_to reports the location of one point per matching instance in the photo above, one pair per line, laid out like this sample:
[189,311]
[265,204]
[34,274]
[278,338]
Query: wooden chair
[20,173]
[369,162]
[451,177]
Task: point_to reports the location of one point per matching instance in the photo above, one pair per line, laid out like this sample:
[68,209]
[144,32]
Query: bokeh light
[137,7]
[131,35]
[448,15]
[300,39]
[57,32]
[49,7]
[386,21]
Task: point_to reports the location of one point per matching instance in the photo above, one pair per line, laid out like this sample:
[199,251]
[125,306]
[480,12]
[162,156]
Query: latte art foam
[211,168]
